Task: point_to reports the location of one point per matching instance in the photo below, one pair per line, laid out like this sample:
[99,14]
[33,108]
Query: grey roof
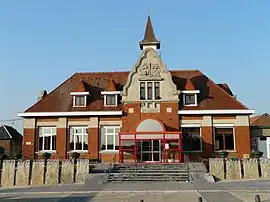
[8,132]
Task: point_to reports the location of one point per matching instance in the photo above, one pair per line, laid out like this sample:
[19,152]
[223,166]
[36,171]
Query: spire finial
[148,10]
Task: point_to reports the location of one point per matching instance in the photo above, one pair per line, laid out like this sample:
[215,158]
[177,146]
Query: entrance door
[150,150]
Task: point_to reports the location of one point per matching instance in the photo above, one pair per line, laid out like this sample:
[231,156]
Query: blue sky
[42,43]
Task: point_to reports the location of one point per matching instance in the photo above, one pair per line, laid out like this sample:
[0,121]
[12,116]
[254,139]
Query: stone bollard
[200,199]
[257,198]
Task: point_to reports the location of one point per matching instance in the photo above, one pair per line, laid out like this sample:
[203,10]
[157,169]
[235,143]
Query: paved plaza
[234,191]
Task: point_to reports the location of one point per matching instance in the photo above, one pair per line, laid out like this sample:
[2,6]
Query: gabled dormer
[190,94]
[111,95]
[79,97]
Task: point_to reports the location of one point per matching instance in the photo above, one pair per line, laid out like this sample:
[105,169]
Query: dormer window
[150,90]
[111,100]
[79,98]
[190,99]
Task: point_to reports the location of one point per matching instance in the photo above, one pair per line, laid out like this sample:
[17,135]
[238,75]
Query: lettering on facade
[149,70]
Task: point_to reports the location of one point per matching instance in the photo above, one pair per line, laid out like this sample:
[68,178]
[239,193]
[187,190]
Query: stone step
[148,179]
[156,171]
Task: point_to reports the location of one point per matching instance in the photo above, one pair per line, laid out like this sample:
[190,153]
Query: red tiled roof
[189,85]
[81,87]
[111,85]
[226,87]
[211,95]
[260,120]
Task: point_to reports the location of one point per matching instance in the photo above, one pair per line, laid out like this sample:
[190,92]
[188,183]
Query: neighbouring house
[260,134]
[147,114]
[10,141]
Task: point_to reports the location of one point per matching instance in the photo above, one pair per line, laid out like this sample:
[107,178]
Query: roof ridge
[7,131]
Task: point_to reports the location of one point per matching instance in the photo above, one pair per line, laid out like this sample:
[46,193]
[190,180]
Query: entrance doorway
[150,150]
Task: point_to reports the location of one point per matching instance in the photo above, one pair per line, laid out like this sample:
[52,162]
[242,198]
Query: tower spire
[149,39]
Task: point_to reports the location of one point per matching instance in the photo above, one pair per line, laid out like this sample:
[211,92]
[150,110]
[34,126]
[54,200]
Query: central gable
[149,67]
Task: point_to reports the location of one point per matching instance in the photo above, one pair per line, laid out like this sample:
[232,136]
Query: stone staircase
[149,172]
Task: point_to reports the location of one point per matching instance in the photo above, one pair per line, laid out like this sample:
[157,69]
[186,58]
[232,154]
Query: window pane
[102,134]
[149,91]
[110,144]
[40,143]
[142,91]
[54,142]
[47,142]
[117,130]
[85,142]
[79,100]
[110,100]
[157,91]
[219,143]
[189,99]
[191,139]
[229,142]
[78,142]
[110,130]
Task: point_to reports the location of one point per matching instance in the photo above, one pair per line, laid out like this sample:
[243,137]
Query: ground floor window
[47,139]
[78,138]
[109,137]
[191,139]
[224,139]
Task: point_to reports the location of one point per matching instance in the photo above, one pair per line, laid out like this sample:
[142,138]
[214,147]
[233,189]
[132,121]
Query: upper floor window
[47,139]
[150,90]
[79,100]
[110,100]
[190,97]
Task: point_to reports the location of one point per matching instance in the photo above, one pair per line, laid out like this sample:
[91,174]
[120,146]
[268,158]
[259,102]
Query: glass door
[150,150]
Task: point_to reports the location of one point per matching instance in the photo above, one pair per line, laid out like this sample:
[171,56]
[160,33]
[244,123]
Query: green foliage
[223,154]
[18,155]
[46,155]
[75,155]
[257,154]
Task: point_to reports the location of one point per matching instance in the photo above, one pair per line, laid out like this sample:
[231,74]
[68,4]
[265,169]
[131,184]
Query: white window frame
[146,90]
[43,135]
[105,100]
[78,134]
[184,99]
[74,101]
[115,137]
[194,126]
[224,126]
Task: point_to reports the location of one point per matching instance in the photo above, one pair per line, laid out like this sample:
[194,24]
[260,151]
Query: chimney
[42,94]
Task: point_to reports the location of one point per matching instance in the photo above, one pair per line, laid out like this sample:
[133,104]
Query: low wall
[239,168]
[39,172]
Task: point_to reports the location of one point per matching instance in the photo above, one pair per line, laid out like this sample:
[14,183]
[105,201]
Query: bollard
[257,198]
[200,199]
[141,200]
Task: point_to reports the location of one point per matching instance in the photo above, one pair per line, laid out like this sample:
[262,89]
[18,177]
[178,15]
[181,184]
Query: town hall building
[147,115]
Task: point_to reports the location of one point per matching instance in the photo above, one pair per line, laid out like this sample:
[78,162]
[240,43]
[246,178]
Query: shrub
[223,154]
[257,154]
[18,155]
[46,155]
[75,155]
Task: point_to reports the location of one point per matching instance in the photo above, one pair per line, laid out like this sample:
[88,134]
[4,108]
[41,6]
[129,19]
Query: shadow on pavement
[70,198]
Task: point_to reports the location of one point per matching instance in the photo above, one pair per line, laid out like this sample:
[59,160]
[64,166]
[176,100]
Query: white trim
[74,102]
[190,105]
[190,125]
[79,93]
[218,111]
[217,125]
[190,91]
[108,151]
[110,92]
[105,101]
[84,113]
[7,131]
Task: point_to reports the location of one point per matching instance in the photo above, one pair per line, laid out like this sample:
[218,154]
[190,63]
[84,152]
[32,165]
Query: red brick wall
[93,142]
[62,141]
[29,136]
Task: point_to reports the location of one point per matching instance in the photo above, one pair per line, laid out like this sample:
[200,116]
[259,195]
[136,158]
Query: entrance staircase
[149,172]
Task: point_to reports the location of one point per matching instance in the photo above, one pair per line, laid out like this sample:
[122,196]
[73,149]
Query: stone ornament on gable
[149,70]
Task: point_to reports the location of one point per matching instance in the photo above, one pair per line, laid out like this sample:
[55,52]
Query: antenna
[149,11]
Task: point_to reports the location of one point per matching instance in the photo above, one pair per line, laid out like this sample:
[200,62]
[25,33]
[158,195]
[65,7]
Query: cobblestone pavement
[234,191]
